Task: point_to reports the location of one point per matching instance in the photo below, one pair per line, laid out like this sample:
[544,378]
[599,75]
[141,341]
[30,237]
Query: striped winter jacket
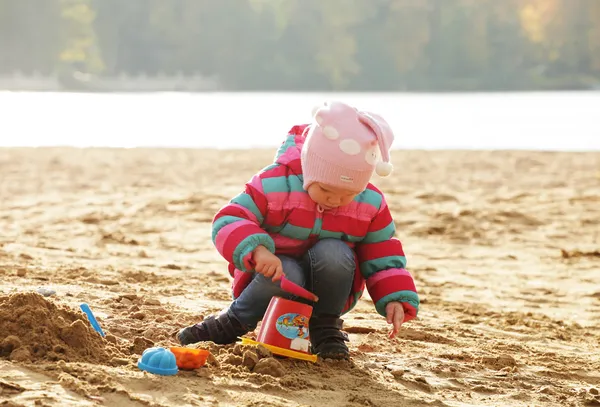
[275,211]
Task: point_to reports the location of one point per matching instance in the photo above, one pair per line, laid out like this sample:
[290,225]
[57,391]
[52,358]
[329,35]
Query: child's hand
[395,316]
[267,263]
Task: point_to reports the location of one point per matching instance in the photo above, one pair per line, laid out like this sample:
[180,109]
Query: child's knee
[333,255]
[293,270]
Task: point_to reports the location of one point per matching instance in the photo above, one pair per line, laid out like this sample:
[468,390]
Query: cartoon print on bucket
[295,327]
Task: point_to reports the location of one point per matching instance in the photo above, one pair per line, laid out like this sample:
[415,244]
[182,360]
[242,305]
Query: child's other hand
[267,263]
[395,316]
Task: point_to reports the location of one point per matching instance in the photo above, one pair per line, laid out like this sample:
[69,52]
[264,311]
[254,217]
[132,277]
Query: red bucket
[285,325]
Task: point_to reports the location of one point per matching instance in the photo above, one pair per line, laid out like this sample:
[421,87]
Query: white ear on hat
[382,168]
[320,108]
[315,110]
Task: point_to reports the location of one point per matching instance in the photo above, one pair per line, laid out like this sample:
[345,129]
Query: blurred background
[458,63]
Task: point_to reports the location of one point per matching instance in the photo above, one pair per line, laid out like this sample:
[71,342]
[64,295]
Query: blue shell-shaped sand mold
[158,361]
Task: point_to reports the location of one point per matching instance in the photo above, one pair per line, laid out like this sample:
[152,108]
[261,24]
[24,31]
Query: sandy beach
[504,248]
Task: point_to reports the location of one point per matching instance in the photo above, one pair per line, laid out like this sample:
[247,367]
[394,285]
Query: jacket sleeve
[236,228]
[382,263]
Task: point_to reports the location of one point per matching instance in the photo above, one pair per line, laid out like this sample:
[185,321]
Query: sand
[504,247]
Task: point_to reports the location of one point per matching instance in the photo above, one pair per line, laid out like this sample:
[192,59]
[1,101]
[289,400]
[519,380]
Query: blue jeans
[327,269]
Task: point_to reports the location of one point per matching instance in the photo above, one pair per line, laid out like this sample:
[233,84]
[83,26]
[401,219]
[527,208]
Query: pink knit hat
[345,146]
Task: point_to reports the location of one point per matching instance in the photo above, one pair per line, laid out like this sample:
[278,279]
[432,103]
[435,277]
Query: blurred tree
[80,49]
[507,48]
[561,34]
[222,39]
[593,35]
[404,36]
[316,39]
[291,37]
[335,43]
[29,38]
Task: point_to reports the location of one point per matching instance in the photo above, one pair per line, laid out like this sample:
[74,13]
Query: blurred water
[540,121]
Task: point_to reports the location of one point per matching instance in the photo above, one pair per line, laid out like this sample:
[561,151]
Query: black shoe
[327,339]
[222,330]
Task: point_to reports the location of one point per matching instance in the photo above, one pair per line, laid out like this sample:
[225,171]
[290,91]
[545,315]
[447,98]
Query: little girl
[314,217]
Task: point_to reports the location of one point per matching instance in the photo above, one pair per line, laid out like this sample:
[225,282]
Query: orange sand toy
[189,359]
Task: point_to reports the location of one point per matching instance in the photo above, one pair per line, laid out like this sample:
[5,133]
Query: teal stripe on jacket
[290,183]
[408,296]
[295,232]
[248,245]
[247,202]
[269,168]
[369,197]
[290,141]
[222,222]
[381,235]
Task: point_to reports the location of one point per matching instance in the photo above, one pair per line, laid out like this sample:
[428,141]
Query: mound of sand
[33,328]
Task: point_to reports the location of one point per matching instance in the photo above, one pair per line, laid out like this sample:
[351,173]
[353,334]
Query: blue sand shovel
[86,309]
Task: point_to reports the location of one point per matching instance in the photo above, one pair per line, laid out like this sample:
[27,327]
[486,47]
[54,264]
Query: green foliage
[377,45]
[79,47]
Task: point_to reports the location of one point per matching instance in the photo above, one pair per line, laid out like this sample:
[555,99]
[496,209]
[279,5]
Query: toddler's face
[330,197]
